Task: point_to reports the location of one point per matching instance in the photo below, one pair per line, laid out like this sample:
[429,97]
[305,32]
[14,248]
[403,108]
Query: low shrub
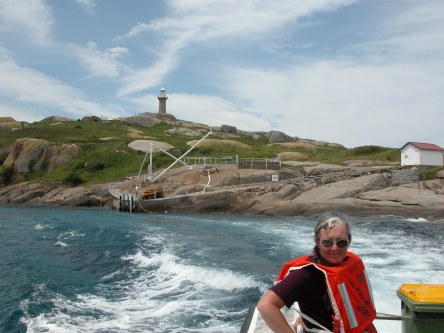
[73,179]
[95,166]
[6,173]
[367,150]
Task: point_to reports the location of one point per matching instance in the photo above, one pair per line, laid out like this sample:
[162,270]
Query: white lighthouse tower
[162,101]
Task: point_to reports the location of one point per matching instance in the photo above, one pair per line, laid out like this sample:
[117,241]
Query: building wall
[432,157]
[411,155]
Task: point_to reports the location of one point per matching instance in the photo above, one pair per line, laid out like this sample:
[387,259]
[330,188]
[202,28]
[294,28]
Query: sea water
[91,270]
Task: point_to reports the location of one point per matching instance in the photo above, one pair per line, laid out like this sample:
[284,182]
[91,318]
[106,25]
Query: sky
[353,72]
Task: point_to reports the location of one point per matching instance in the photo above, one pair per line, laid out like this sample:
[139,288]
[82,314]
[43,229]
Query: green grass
[428,173]
[375,153]
[106,162]
[112,160]
[69,132]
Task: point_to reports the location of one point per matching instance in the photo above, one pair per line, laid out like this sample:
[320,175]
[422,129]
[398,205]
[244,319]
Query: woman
[330,286]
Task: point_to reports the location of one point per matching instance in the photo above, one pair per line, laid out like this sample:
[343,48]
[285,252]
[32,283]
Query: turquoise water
[90,270]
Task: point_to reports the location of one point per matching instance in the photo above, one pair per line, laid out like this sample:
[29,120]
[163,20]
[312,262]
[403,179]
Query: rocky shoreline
[357,192]
[36,194]
[301,187]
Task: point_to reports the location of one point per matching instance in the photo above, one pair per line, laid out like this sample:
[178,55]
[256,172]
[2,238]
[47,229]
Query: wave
[171,273]
[71,234]
[395,218]
[157,293]
[419,220]
[168,267]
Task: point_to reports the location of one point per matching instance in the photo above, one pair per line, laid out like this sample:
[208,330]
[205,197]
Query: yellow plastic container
[422,306]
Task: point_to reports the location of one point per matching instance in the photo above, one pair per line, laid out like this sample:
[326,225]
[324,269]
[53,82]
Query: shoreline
[402,201]
[354,191]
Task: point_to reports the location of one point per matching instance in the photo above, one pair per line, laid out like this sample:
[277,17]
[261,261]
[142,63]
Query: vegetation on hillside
[375,153]
[429,173]
[106,156]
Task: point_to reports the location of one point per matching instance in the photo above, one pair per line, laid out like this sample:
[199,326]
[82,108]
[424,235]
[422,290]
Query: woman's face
[334,254]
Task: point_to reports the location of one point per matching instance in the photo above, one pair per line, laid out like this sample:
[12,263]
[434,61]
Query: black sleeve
[293,287]
[307,287]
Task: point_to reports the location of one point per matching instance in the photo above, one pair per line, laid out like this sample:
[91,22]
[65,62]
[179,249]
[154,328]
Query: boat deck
[255,324]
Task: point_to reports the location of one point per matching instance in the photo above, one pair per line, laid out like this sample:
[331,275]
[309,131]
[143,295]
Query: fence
[242,163]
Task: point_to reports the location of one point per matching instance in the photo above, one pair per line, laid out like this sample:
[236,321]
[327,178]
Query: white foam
[164,292]
[142,261]
[169,268]
[140,309]
[420,220]
[71,234]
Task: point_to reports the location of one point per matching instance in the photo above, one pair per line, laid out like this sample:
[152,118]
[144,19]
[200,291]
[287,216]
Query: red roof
[426,146]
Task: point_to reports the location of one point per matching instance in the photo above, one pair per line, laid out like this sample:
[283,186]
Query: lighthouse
[162,101]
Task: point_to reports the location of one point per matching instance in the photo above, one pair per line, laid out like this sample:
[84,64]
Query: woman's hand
[270,306]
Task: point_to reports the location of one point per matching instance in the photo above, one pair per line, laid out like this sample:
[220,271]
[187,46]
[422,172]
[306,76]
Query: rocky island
[298,187]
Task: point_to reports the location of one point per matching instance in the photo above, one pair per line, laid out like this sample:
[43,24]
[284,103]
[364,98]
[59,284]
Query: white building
[417,153]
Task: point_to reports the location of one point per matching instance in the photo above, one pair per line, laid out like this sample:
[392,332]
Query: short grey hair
[328,220]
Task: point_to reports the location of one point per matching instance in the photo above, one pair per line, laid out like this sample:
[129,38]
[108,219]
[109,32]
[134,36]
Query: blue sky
[345,71]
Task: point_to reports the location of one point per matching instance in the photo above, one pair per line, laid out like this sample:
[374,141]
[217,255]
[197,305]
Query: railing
[242,163]
[211,160]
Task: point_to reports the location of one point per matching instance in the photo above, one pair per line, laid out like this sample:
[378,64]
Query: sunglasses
[342,244]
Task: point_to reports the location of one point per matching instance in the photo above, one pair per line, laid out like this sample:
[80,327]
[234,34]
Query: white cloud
[194,23]
[27,86]
[308,68]
[101,63]
[411,32]
[390,94]
[30,18]
[19,114]
[350,103]
[145,78]
[218,19]
[213,111]
[201,108]
[87,5]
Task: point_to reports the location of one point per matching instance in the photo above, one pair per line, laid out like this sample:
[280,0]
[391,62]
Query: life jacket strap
[321,328]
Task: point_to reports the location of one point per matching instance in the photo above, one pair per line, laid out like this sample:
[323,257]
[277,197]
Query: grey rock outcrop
[27,155]
[147,119]
[92,118]
[321,143]
[11,124]
[58,119]
[228,129]
[184,131]
[278,137]
[39,194]
[4,152]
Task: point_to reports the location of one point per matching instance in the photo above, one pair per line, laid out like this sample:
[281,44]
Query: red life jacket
[348,289]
